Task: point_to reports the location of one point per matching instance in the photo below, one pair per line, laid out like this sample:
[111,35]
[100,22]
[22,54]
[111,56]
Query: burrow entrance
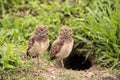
[78,62]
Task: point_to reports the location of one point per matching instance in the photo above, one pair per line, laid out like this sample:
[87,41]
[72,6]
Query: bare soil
[50,71]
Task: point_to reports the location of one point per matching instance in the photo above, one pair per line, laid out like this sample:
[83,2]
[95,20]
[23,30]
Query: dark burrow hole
[77,62]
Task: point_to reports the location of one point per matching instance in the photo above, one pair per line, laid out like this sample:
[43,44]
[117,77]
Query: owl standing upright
[62,46]
[38,43]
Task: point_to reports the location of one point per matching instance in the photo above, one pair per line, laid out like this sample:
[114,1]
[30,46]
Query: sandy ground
[49,71]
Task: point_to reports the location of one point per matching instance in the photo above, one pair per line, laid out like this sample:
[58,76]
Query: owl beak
[65,33]
[40,34]
[42,29]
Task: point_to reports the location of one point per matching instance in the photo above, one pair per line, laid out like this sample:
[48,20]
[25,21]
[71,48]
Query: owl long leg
[38,59]
[62,63]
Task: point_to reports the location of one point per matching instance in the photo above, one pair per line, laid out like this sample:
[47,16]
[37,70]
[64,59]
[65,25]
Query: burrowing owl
[38,42]
[62,46]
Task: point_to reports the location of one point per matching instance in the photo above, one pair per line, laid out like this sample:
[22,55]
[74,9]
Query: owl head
[41,30]
[65,31]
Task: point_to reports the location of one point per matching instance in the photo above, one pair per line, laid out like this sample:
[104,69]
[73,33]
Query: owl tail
[52,57]
[28,55]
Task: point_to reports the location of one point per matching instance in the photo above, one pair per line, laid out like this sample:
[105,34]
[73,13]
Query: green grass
[95,24]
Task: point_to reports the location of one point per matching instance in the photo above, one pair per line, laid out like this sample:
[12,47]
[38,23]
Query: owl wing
[30,44]
[55,48]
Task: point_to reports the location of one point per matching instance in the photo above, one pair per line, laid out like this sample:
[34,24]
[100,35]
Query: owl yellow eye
[61,33]
[69,30]
[61,30]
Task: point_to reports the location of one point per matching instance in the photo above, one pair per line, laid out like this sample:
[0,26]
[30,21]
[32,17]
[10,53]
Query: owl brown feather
[38,42]
[55,48]
[30,44]
[62,46]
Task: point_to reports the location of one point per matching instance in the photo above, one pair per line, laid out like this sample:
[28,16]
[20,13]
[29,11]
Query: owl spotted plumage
[62,46]
[38,43]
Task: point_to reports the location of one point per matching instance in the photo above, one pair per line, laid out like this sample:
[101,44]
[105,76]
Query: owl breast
[39,47]
[65,50]
[44,46]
